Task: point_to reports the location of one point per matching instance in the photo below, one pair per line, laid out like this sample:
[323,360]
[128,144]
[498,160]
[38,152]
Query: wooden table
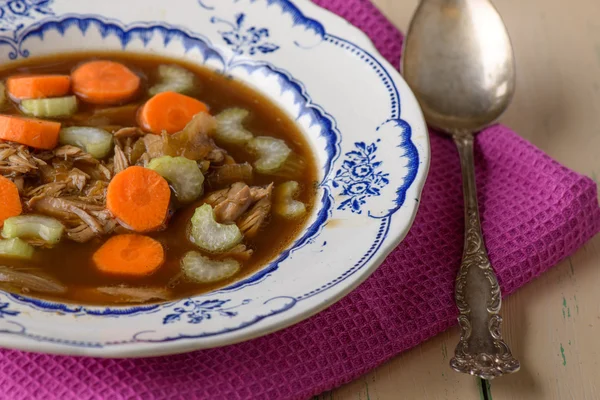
[552,324]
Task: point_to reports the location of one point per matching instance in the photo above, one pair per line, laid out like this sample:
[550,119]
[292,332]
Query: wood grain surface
[552,324]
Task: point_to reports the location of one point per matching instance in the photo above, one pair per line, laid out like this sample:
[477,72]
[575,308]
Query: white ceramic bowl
[362,121]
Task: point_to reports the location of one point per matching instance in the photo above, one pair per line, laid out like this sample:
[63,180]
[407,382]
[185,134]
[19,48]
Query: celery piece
[16,248]
[48,229]
[173,78]
[209,235]
[284,203]
[53,107]
[272,153]
[230,128]
[202,269]
[94,141]
[183,175]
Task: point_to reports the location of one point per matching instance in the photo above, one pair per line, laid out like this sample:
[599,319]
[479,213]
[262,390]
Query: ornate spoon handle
[481,350]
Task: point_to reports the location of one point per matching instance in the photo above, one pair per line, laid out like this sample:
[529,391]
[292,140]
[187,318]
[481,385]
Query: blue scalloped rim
[318,115]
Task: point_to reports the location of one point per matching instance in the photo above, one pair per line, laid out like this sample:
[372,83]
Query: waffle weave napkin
[535,212]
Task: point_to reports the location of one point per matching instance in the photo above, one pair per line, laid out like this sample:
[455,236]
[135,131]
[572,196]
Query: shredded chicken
[128,132]
[49,189]
[256,193]
[135,151]
[216,197]
[85,203]
[16,160]
[239,252]
[251,222]
[65,210]
[144,159]
[236,203]
[19,183]
[249,208]
[77,179]
[154,145]
[103,172]
[81,233]
[73,153]
[120,162]
[51,206]
[260,192]
[97,191]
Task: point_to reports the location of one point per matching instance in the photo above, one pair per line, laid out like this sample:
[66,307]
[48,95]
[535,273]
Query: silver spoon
[459,62]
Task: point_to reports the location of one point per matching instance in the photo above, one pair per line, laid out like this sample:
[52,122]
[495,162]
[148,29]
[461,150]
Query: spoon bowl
[459,62]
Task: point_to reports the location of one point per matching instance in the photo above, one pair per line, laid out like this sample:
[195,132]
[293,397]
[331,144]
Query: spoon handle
[481,350]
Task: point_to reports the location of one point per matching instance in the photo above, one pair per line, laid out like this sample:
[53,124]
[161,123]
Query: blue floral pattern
[360,177]
[241,40]
[4,310]
[197,311]
[16,13]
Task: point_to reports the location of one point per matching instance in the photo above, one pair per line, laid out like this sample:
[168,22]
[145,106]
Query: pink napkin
[535,213]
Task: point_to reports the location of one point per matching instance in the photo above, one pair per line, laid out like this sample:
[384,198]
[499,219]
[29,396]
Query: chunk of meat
[251,222]
[260,192]
[135,153]
[129,132]
[103,172]
[20,160]
[109,223]
[16,159]
[256,192]
[235,203]
[85,203]
[77,179]
[81,233]
[6,150]
[96,172]
[239,252]
[19,183]
[144,160]
[96,192]
[87,218]
[53,189]
[51,206]
[216,197]
[74,153]
[57,170]
[154,145]
[47,173]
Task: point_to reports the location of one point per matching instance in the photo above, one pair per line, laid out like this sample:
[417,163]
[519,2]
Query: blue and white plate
[361,119]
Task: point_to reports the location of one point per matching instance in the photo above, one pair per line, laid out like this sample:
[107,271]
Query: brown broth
[71,263]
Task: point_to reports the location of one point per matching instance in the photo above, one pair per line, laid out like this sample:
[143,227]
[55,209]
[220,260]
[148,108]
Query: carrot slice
[38,86]
[139,198]
[29,131]
[10,202]
[104,82]
[129,254]
[169,111]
